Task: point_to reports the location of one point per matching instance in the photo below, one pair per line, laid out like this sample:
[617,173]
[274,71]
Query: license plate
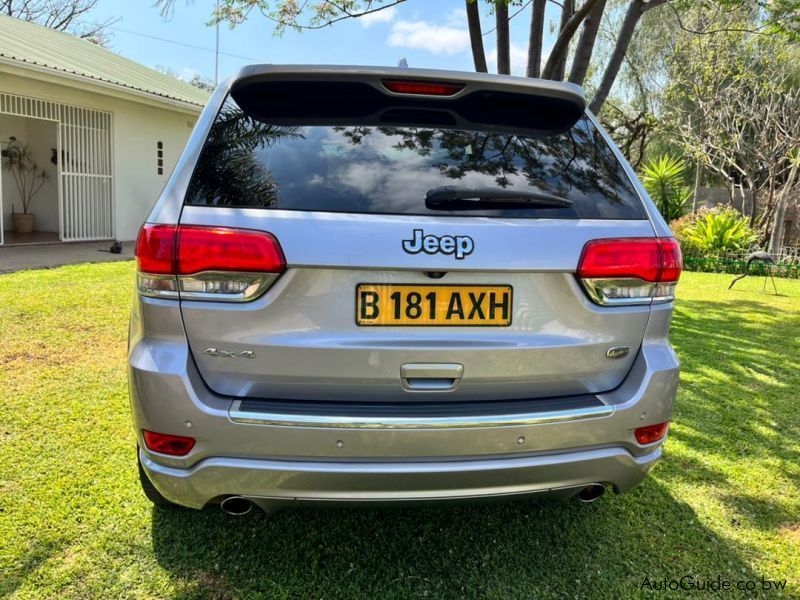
[433,305]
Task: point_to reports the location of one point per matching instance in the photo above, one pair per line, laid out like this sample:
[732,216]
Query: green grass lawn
[74,524]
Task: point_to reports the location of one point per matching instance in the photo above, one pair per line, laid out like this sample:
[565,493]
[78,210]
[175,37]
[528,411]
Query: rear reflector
[422,88]
[630,270]
[194,262]
[174,445]
[651,433]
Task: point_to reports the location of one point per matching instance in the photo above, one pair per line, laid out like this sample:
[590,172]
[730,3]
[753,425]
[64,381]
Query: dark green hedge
[737,266]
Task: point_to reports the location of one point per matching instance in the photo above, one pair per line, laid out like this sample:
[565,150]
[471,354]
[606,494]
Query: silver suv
[399,285]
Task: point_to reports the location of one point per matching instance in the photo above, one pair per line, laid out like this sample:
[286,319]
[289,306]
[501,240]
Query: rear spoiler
[350,95]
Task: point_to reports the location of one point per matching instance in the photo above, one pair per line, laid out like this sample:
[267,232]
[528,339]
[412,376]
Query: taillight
[630,270]
[651,433]
[155,249]
[422,88]
[195,262]
[165,443]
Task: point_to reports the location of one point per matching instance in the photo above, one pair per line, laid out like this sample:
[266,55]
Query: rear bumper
[274,483]
[277,457]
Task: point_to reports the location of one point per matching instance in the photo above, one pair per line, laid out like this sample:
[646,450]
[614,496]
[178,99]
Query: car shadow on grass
[536,548]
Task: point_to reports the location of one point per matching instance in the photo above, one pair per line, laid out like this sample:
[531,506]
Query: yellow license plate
[433,305]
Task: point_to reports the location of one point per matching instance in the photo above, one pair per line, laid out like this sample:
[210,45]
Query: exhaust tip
[591,493]
[236,505]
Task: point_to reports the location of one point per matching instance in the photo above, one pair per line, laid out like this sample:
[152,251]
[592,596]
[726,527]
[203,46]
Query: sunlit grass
[73,523]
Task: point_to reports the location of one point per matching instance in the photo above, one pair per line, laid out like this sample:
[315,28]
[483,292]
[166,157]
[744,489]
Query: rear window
[387,165]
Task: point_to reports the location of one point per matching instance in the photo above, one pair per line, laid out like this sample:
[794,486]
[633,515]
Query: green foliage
[681,226]
[663,179]
[716,232]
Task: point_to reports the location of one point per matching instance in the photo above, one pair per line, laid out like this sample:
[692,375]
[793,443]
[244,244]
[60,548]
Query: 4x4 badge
[460,245]
[229,353]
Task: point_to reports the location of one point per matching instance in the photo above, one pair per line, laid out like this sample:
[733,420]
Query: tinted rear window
[387,165]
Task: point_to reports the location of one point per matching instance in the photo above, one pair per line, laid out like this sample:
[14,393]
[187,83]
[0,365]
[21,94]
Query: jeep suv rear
[374,284]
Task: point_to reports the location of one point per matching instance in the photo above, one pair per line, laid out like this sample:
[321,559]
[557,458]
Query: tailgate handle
[431,377]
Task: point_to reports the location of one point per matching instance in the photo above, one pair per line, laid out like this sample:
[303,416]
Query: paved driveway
[19,258]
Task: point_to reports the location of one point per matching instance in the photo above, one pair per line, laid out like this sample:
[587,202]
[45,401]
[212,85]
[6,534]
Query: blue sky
[428,33]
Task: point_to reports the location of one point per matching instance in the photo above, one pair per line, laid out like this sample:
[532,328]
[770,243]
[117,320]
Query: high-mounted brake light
[165,443]
[630,270]
[422,88]
[651,433]
[195,262]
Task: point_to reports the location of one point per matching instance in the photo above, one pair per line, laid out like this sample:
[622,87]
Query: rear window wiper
[450,197]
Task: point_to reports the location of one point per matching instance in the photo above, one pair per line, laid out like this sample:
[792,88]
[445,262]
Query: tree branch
[565,35]
[535,39]
[757,31]
[583,53]
[503,42]
[283,23]
[475,37]
[516,12]
[632,16]
[566,13]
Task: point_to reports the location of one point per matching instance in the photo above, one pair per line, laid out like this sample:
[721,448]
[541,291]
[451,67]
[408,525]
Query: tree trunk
[535,39]
[476,36]
[753,203]
[561,47]
[632,16]
[698,180]
[583,53]
[567,10]
[503,44]
[776,239]
[635,11]
[769,209]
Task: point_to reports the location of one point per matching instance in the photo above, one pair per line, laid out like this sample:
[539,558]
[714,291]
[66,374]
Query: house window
[160,157]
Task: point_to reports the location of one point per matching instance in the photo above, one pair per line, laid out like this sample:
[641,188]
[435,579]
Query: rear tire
[149,489]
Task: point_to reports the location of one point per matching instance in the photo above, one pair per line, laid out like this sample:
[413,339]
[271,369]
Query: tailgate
[303,340]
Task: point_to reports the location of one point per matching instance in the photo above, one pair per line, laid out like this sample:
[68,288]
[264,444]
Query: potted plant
[29,178]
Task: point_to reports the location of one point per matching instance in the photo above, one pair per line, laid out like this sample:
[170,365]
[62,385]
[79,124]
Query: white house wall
[137,128]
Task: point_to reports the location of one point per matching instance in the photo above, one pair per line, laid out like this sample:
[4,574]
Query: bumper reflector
[651,433]
[165,443]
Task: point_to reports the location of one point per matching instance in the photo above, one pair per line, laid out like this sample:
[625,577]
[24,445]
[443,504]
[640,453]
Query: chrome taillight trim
[153,285]
[653,293]
[184,287]
[256,285]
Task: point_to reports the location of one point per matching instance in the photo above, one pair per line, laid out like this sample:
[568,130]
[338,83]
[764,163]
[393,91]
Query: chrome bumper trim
[239,415]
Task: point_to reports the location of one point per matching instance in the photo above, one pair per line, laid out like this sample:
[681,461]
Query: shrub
[679,228]
[664,181]
[716,232]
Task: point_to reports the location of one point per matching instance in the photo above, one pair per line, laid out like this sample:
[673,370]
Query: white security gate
[85,174]
[84,164]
